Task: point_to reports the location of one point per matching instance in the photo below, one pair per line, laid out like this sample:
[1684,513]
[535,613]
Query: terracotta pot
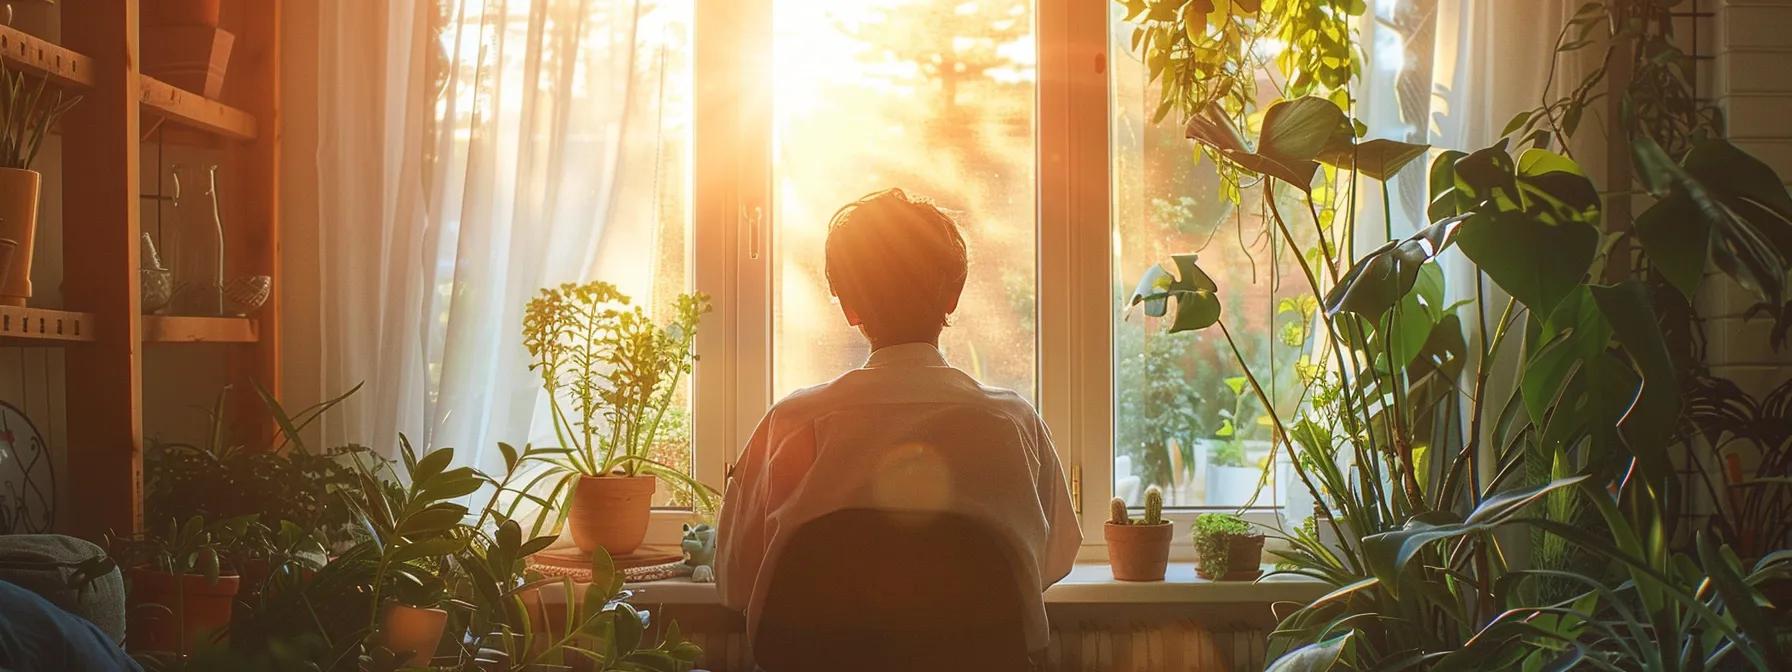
[1244,560]
[190,57]
[8,247]
[185,12]
[414,629]
[611,511]
[196,610]
[18,222]
[1138,552]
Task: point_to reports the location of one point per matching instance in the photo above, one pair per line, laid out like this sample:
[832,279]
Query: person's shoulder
[1008,401]
[807,400]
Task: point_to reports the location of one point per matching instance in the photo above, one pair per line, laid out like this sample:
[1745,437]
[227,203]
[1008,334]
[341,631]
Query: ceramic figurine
[699,547]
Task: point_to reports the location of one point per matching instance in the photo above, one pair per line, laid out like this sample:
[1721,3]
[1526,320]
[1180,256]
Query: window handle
[753,224]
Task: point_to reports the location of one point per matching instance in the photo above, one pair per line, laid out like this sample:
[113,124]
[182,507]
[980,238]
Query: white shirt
[906,432]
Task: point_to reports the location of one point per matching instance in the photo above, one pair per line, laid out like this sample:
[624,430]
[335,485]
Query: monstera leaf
[1197,301]
[1295,132]
[1534,221]
[1381,277]
[1536,262]
[1718,203]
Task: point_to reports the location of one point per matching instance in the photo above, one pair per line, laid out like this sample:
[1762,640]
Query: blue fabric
[37,635]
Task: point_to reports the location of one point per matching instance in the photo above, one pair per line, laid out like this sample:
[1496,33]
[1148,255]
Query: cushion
[47,564]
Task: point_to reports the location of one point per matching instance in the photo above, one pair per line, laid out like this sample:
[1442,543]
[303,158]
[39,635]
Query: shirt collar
[905,355]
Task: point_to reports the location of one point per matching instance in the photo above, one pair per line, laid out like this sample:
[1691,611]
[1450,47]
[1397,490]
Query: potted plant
[611,374]
[1138,550]
[25,119]
[1226,549]
[181,591]
[1231,481]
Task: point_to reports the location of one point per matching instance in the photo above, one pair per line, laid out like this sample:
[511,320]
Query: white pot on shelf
[1231,486]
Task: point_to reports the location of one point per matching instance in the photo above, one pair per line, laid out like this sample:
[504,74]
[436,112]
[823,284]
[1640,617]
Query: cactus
[1154,506]
[1117,512]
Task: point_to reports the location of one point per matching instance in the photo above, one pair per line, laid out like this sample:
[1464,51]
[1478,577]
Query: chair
[873,590]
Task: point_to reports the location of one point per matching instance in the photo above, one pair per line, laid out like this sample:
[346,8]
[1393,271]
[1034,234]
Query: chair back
[862,589]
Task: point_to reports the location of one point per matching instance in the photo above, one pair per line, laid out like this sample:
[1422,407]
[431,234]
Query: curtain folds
[469,153]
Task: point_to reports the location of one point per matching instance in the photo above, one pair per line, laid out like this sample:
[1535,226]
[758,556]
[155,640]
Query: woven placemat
[644,564]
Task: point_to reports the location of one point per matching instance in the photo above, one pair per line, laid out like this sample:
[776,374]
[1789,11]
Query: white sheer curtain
[470,152]
[1494,60]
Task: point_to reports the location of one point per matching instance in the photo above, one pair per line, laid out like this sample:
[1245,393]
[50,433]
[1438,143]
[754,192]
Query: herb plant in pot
[25,120]
[611,374]
[1139,550]
[1226,549]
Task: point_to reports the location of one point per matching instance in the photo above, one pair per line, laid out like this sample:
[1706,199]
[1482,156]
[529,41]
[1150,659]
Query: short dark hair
[897,262]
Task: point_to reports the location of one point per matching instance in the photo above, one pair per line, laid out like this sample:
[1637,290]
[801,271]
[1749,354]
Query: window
[771,114]
[935,97]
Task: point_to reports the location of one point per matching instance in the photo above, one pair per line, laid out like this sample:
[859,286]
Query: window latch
[1076,489]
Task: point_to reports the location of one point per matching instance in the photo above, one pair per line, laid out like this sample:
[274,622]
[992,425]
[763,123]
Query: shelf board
[40,326]
[182,329]
[35,55]
[193,110]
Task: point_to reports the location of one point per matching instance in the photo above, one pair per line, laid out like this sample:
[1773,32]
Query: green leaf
[1383,276]
[535,545]
[510,456]
[1650,423]
[1747,604]
[509,535]
[454,483]
[432,463]
[1298,130]
[1677,240]
[628,629]
[1388,553]
[604,575]
[435,518]
[1379,158]
[1315,657]
[1740,200]
[1197,305]
[1288,144]
[1535,262]
[428,548]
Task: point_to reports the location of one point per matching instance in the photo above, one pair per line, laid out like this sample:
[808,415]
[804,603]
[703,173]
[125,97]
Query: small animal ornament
[699,547]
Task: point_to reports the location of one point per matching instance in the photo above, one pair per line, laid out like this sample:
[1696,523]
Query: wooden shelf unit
[104,177]
[183,329]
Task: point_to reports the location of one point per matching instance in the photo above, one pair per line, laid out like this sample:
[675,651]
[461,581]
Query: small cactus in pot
[1138,550]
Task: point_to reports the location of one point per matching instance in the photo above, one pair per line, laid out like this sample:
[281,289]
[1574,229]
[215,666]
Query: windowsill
[1088,583]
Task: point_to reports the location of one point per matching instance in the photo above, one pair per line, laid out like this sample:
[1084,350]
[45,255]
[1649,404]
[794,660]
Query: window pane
[935,97]
[1184,418]
[637,235]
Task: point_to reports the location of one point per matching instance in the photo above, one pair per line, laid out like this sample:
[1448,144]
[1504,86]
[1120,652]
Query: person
[38,635]
[905,432]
